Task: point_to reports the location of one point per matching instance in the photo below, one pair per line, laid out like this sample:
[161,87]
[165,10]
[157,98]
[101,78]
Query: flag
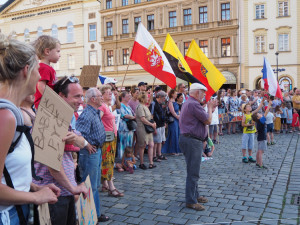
[270,82]
[178,63]
[107,80]
[204,70]
[149,55]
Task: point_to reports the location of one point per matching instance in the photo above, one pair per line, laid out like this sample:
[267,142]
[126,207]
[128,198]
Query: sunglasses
[72,79]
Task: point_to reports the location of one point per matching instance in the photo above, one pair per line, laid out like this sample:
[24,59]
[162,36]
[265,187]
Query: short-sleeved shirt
[192,119]
[248,120]
[269,118]
[296,98]
[124,110]
[158,113]
[233,104]
[261,129]
[133,104]
[108,119]
[48,74]
[284,112]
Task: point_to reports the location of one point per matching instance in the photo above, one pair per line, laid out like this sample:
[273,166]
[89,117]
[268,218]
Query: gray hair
[161,94]
[91,92]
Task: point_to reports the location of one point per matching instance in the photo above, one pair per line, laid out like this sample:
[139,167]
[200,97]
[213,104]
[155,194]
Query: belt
[193,136]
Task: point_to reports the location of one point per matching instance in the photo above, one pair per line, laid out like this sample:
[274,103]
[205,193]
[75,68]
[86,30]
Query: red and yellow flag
[204,70]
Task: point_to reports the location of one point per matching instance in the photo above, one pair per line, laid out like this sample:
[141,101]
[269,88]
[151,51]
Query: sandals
[151,166]
[110,193]
[142,166]
[162,157]
[155,159]
[103,218]
[105,189]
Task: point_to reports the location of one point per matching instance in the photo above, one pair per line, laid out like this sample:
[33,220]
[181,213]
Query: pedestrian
[295,122]
[221,108]
[289,117]
[193,123]
[233,107]
[277,124]
[260,120]
[90,157]
[270,127]
[48,50]
[134,102]
[284,118]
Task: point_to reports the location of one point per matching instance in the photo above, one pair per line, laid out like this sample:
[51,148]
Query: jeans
[91,165]
[192,151]
[63,211]
[13,215]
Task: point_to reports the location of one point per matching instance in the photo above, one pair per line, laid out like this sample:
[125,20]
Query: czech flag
[269,80]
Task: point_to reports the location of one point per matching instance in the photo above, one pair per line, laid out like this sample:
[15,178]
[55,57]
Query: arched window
[39,31]
[70,32]
[54,31]
[26,35]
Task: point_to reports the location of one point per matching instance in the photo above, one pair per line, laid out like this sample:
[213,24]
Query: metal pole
[277,53]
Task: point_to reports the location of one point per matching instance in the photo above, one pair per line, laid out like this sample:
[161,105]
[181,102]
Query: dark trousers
[192,151]
[63,211]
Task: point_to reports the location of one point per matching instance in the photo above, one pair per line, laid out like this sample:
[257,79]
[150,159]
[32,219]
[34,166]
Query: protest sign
[86,207]
[51,126]
[89,76]
[230,117]
[44,215]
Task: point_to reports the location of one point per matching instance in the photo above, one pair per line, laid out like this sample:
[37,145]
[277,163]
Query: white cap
[243,91]
[109,80]
[197,86]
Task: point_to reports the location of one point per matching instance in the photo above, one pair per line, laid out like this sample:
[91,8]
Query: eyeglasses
[72,79]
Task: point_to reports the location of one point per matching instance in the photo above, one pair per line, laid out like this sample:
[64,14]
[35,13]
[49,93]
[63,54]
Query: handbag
[149,129]
[110,136]
[131,125]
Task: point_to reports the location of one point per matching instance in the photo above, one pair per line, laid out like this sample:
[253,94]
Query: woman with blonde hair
[143,117]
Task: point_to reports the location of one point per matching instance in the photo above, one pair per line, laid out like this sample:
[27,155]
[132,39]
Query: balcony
[225,23]
[187,27]
[123,36]
[108,38]
[202,26]
[172,29]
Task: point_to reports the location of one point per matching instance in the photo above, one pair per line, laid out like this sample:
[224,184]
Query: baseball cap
[157,89]
[197,86]
[142,83]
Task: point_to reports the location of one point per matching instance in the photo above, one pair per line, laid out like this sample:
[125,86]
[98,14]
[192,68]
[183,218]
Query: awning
[230,78]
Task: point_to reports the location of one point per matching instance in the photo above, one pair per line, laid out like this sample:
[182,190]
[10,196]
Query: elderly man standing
[90,157]
[193,131]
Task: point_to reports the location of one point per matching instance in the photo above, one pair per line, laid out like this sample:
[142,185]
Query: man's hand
[212,104]
[70,138]
[91,148]
[81,188]
[54,188]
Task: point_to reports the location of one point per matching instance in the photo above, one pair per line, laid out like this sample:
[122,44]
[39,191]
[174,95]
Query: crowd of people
[111,130]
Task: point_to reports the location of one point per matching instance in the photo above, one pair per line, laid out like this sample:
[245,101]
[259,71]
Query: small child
[278,113]
[295,122]
[261,135]
[284,113]
[208,148]
[128,161]
[270,127]
[289,117]
[48,51]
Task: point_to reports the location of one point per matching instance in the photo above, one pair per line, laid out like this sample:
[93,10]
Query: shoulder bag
[149,129]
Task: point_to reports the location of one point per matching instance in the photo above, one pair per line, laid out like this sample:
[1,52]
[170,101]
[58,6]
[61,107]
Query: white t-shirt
[269,118]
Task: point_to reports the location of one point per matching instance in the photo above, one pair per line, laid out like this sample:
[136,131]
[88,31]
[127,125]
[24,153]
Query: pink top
[108,119]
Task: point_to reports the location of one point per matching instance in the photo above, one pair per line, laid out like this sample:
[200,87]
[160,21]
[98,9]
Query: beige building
[214,24]
[74,22]
[267,29]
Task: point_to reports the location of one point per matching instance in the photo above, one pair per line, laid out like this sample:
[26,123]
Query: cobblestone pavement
[238,193]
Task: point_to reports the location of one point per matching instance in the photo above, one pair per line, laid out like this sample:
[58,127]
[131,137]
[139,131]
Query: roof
[6,4]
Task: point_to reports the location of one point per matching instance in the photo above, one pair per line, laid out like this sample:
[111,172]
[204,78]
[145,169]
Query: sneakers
[263,167]
[268,143]
[272,143]
[196,206]
[245,160]
[251,159]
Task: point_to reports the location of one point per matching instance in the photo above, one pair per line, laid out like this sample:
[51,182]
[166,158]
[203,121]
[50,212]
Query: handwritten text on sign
[51,126]
[230,117]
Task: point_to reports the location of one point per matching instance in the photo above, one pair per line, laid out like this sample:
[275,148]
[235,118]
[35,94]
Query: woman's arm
[172,111]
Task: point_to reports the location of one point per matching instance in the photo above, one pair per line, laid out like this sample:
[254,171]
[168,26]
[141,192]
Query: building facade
[213,24]
[75,23]
[270,30]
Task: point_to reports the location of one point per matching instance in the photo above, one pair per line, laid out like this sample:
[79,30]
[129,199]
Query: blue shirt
[91,127]
[261,129]
[124,110]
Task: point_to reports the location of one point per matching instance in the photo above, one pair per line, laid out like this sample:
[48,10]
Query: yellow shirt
[248,120]
[296,98]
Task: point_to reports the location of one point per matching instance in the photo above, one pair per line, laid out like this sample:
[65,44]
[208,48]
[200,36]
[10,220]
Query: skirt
[277,125]
[108,159]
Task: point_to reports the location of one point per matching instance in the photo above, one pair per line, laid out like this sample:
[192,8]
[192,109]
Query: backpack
[21,128]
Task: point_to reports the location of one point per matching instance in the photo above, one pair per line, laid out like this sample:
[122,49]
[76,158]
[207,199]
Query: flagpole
[153,84]
[124,76]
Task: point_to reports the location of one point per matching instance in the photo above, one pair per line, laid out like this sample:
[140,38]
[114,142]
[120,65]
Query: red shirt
[48,74]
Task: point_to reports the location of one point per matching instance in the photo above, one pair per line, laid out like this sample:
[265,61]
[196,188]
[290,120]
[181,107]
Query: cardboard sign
[44,215]
[51,126]
[86,207]
[230,117]
[89,76]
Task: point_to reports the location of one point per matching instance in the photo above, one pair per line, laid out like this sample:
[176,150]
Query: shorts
[283,120]
[248,141]
[160,135]
[213,128]
[270,128]
[262,145]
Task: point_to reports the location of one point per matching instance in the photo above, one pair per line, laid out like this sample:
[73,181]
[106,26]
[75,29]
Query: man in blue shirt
[90,157]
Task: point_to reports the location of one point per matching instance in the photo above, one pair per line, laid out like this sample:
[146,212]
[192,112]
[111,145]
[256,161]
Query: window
[54,31]
[283,42]
[225,11]
[260,44]
[92,15]
[92,32]
[110,58]
[109,30]
[283,8]
[137,20]
[26,35]
[172,19]
[150,22]
[70,32]
[71,62]
[187,17]
[124,2]
[108,4]
[260,11]
[203,44]
[137,1]
[39,31]
[203,14]
[125,56]
[225,47]
[125,26]
[186,46]
[93,58]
